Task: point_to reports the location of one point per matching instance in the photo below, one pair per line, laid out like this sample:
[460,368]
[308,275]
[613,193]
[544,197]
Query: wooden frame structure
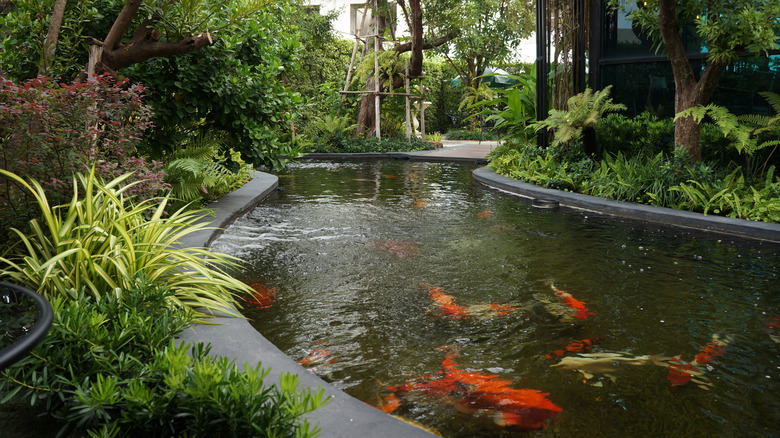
[377,91]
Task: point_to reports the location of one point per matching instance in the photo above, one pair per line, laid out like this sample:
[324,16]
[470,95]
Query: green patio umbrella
[498,78]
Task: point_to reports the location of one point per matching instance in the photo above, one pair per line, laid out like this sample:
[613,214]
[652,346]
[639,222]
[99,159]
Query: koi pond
[422,293]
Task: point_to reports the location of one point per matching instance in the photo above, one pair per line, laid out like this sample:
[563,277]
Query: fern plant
[194,171]
[768,126]
[580,119]
[757,132]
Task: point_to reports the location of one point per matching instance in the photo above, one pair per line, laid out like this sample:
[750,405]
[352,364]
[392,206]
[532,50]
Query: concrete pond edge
[738,228]
[345,416]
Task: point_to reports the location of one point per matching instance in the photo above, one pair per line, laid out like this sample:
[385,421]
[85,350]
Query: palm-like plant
[100,241]
[578,122]
[766,125]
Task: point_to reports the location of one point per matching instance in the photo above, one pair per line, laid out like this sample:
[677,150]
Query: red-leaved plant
[49,131]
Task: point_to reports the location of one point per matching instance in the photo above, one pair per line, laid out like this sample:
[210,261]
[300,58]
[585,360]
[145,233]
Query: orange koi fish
[580,346]
[569,300]
[317,357]
[262,297]
[487,214]
[389,403]
[456,311]
[419,203]
[388,176]
[447,304]
[397,248]
[472,392]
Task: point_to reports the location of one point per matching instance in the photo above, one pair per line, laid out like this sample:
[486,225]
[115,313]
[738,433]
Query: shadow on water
[361,257]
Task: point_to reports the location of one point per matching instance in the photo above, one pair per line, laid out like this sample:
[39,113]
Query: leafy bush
[25,28]
[111,368]
[236,85]
[549,167]
[641,179]
[733,197]
[49,131]
[645,134]
[514,110]
[660,180]
[197,169]
[100,241]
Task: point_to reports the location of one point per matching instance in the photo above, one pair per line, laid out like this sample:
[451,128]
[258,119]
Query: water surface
[351,251]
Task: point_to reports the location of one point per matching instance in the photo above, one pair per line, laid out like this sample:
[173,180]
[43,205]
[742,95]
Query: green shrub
[578,122]
[645,134]
[101,240]
[554,168]
[733,197]
[111,368]
[641,179]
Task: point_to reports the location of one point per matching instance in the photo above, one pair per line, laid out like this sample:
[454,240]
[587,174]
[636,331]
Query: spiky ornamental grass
[101,240]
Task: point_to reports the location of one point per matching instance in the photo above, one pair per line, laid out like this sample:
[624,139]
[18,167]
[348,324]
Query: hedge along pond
[414,289]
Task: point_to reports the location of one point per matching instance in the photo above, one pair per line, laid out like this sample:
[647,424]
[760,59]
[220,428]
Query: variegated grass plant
[100,241]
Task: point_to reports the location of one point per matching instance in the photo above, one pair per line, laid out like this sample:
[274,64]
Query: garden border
[741,228]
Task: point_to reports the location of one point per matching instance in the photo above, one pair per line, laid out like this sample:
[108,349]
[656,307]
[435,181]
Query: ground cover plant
[121,290]
[110,367]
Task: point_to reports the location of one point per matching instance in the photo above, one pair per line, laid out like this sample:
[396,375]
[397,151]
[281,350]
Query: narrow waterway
[395,279]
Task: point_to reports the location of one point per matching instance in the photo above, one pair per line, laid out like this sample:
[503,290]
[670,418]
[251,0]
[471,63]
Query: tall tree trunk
[50,45]
[689,92]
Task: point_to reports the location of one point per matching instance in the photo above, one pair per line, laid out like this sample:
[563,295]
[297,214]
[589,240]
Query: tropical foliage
[514,110]
[235,86]
[639,164]
[101,241]
[583,113]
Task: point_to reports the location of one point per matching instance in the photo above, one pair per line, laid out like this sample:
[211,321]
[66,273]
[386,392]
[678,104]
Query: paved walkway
[460,150]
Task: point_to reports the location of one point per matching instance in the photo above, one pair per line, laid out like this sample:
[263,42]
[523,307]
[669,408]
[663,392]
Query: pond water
[420,292]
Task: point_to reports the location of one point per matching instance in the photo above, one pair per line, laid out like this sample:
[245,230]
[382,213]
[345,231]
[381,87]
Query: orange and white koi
[582,311]
[681,372]
[317,357]
[446,303]
[773,328]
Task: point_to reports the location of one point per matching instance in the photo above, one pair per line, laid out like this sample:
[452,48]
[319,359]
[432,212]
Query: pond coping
[344,416]
[741,228]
